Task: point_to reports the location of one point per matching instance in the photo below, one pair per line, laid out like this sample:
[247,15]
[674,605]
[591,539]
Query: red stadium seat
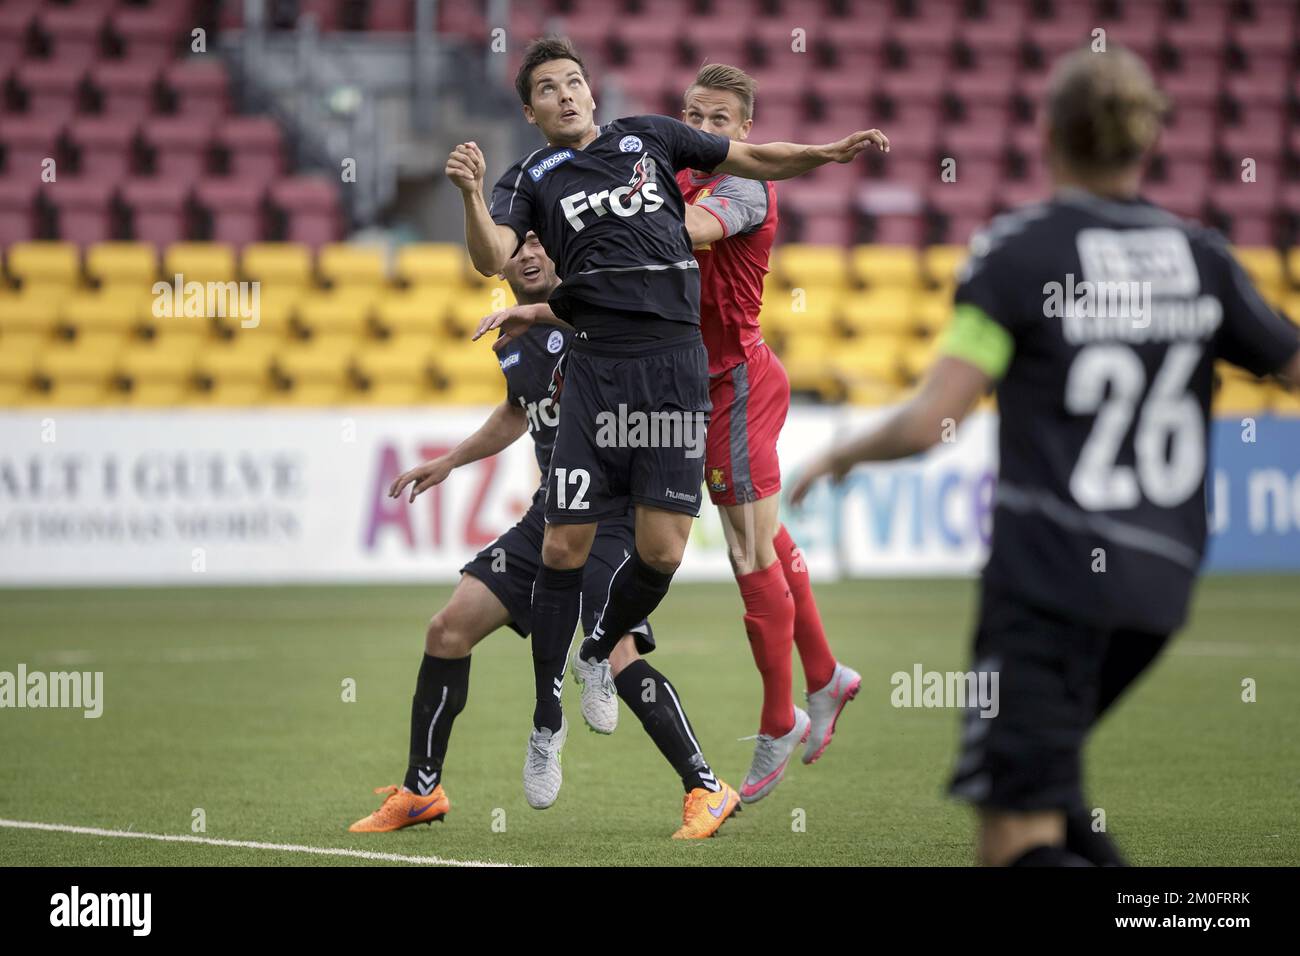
[150,36]
[52,89]
[925,44]
[984,97]
[1266,45]
[200,87]
[28,142]
[15,31]
[83,207]
[978,152]
[963,208]
[1249,209]
[105,147]
[310,205]
[180,146]
[158,209]
[126,90]
[1182,199]
[990,46]
[255,147]
[398,16]
[1194,44]
[856,44]
[235,206]
[19,216]
[76,34]
[714,40]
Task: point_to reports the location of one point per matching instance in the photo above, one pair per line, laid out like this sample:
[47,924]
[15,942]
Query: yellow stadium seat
[235,371]
[390,375]
[787,315]
[807,360]
[464,366]
[1265,268]
[872,392]
[1283,401]
[917,357]
[941,263]
[94,314]
[44,264]
[469,307]
[885,309]
[17,368]
[29,314]
[871,358]
[932,312]
[123,266]
[331,315]
[432,263]
[799,265]
[878,266]
[318,374]
[345,265]
[277,265]
[418,312]
[1240,395]
[199,262]
[77,375]
[151,376]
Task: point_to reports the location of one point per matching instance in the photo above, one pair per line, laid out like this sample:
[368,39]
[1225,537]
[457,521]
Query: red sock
[769,621]
[809,637]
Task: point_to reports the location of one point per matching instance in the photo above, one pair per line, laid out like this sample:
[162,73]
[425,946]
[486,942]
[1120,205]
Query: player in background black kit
[605,203]
[495,589]
[1103,443]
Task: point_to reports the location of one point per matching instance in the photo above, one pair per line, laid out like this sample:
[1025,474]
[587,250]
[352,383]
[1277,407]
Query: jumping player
[732,222]
[495,588]
[605,204]
[1103,446]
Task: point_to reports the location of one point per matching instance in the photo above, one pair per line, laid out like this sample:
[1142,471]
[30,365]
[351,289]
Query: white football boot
[599,695]
[542,776]
[824,708]
[771,754]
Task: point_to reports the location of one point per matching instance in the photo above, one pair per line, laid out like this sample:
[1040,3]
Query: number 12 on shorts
[579,477]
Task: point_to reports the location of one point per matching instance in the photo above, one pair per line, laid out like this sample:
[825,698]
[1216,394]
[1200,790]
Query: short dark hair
[541,51]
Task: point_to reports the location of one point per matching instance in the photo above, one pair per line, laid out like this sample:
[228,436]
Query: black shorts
[632,431]
[1055,679]
[509,565]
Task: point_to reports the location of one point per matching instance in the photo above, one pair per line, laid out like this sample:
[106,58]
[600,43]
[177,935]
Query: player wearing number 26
[1099,521]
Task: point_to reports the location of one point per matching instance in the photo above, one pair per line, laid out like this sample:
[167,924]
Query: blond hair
[1103,109]
[720,76]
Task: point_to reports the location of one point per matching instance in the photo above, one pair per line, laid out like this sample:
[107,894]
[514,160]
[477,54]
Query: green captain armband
[974,337]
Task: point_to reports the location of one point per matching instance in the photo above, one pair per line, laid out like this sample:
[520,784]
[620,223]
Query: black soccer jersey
[528,363]
[611,216]
[1116,312]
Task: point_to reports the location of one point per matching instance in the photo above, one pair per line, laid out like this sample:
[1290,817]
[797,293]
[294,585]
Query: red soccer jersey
[732,269]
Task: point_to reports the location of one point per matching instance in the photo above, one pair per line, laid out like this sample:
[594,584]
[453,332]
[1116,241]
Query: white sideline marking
[244,844]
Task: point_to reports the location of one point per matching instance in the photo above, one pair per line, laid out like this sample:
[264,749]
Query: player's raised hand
[826,465]
[422,477]
[513,322]
[466,167]
[850,146]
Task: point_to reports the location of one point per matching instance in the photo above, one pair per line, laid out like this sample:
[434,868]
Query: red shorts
[750,402]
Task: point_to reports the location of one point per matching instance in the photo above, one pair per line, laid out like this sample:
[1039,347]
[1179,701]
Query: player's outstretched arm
[515,321]
[950,389]
[787,160]
[490,245]
[502,428]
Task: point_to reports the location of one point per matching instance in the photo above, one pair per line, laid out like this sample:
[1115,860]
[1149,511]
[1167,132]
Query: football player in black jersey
[605,203]
[1099,318]
[495,589]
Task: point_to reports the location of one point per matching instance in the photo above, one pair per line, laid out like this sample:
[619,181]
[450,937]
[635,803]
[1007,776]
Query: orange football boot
[703,811]
[401,808]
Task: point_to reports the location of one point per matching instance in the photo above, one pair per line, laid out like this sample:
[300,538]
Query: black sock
[1097,848]
[635,590]
[655,703]
[440,694]
[1048,856]
[557,605]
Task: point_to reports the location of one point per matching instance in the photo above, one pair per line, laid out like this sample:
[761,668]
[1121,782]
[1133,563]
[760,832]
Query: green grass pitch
[230,700]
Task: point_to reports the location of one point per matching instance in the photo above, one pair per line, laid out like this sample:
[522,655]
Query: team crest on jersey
[717,480]
[555,341]
[549,163]
[509,360]
[630,144]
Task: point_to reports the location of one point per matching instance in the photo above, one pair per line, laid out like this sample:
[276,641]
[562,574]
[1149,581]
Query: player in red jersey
[732,222]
